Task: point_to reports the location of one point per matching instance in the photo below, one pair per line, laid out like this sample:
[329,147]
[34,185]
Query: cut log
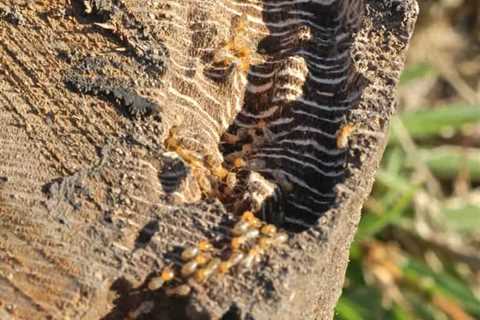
[133,129]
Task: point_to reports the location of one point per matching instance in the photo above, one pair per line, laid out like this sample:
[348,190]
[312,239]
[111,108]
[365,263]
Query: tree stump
[122,120]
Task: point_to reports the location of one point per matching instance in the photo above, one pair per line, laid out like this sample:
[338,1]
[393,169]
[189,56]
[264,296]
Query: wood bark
[84,219]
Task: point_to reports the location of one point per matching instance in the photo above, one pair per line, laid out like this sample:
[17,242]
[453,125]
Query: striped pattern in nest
[295,103]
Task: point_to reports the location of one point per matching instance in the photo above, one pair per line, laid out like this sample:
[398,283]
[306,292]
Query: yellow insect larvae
[203,258]
[182,290]
[234,259]
[188,156]
[230,182]
[244,54]
[171,143]
[219,172]
[265,242]
[204,245]
[252,256]
[252,220]
[256,223]
[189,253]
[280,238]
[215,168]
[157,282]
[224,267]
[343,134]
[190,267]
[239,25]
[248,216]
[237,46]
[252,234]
[237,242]
[222,55]
[203,274]
[268,230]
[192,251]
[167,274]
[204,183]
[239,162]
[240,228]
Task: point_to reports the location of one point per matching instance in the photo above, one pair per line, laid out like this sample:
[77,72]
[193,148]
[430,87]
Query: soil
[85,221]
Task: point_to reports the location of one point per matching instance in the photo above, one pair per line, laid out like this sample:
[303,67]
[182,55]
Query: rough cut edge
[312,290]
[315,294]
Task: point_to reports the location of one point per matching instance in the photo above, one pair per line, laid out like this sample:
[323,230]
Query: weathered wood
[89,91]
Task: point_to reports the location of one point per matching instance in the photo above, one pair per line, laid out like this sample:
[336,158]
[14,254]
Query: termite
[269,230]
[182,290]
[253,254]
[237,242]
[239,162]
[343,134]
[189,253]
[234,259]
[240,228]
[203,274]
[190,267]
[251,219]
[157,282]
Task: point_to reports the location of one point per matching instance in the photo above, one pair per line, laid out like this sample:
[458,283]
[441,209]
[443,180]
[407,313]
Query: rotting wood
[85,222]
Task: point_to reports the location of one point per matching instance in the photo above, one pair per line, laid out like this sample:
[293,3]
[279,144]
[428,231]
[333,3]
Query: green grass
[429,123]
[427,283]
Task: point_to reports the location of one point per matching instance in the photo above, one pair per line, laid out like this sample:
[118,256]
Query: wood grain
[85,215]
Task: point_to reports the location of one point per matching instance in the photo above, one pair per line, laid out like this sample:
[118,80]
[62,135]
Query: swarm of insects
[285,153]
[250,239]
[210,174]
[236,49]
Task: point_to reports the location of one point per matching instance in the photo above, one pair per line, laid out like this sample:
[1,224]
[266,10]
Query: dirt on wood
[86,215]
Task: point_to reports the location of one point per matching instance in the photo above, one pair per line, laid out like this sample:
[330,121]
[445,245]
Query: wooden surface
[85,216]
